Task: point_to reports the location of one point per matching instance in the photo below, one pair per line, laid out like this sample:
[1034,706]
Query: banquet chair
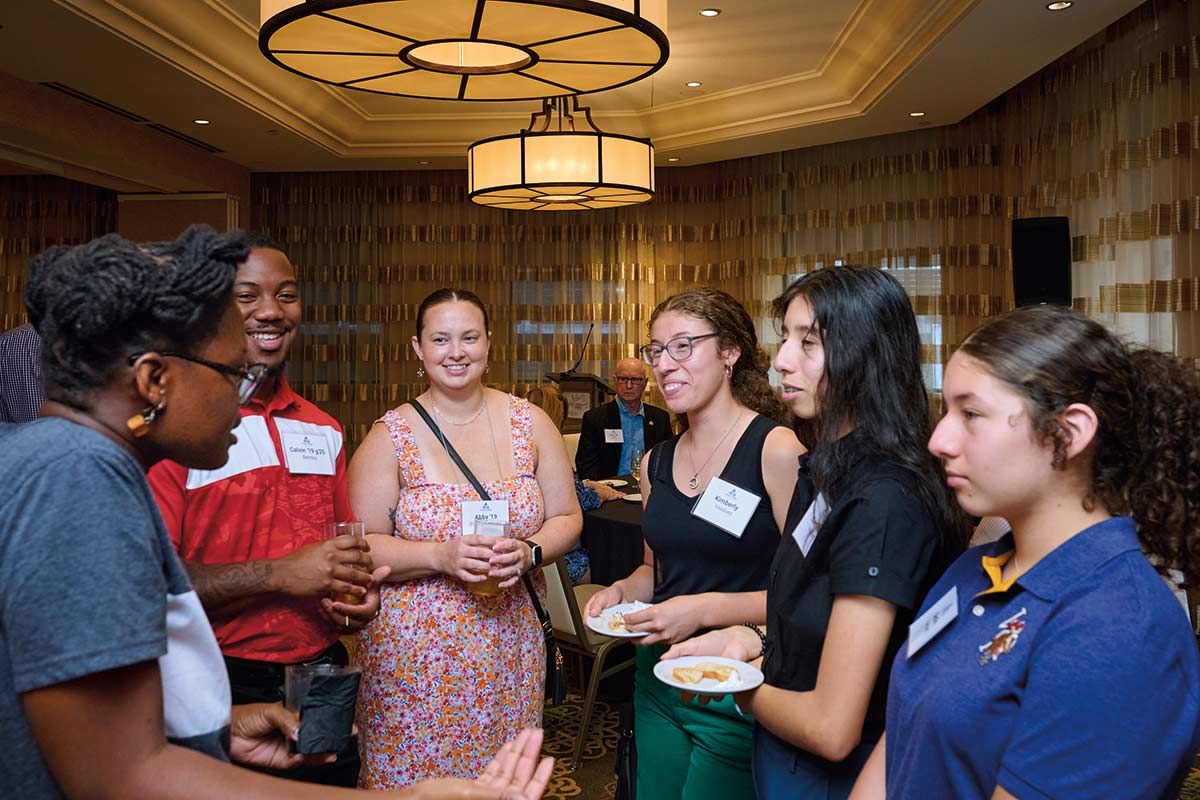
[571,440]
[565,603]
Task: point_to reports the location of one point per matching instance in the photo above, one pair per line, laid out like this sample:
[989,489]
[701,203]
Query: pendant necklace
[694,482]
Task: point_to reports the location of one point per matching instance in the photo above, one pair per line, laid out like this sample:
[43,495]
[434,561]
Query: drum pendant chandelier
[553,166]
[473,50]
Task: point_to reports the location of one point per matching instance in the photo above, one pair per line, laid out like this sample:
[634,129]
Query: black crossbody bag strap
[543,617]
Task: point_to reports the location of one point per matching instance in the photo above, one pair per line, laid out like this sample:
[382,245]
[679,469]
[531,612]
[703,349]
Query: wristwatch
[535,550]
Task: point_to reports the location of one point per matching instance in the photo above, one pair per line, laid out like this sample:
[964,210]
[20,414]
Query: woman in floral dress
[450,675]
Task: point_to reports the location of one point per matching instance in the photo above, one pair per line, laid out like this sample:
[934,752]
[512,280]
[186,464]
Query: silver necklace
[694,482]
[474,416]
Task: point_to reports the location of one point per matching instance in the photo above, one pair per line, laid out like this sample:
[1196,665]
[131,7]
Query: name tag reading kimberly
[614,436]
[930,624]
[727,506]
[307,453]
[806,530]
[482,516]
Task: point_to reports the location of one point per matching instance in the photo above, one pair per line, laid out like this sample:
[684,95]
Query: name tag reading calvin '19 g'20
[307,453]
[727,506]
[481,516]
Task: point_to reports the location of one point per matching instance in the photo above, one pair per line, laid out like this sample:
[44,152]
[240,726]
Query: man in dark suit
[611,433]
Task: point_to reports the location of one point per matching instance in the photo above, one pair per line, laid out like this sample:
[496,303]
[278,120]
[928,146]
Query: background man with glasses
[252,534]
[612,433]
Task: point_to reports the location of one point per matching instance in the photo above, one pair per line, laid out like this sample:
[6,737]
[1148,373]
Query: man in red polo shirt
[252,534]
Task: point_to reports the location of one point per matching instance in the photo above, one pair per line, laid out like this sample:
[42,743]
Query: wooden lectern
[581,392]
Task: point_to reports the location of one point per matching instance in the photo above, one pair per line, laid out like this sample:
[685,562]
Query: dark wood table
[612,535]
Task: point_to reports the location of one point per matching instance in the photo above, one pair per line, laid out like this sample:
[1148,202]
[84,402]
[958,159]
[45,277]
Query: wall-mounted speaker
[1041,260]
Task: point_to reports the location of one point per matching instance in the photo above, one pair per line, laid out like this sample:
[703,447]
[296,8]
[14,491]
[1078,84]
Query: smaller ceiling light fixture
[693,84]
[710,12]
[916,113]
[200,121]
[1060,6]
[673,158]
[553,166]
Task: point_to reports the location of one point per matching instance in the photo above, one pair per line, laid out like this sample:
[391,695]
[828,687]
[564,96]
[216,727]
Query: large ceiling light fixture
[553,166]
[467,49]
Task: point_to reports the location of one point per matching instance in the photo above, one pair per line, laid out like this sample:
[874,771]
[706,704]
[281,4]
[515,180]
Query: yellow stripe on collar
[993,566]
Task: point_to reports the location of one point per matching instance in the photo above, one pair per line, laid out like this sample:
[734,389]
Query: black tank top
[694,556]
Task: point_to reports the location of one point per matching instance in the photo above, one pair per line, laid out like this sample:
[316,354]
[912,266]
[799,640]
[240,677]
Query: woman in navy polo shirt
[870,525]
[1055,662]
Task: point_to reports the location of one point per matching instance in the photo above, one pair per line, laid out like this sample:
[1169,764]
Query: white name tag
[307,453]
[727,506]
[483,517]
[806,530]
[614,436]
[929,624]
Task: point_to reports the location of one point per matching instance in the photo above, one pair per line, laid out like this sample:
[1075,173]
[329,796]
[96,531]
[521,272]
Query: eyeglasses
[680,348]
[628,381]
[250,377]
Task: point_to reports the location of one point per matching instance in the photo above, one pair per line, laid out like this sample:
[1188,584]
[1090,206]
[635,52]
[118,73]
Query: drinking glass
[635,463]
[489,587]
[355,529]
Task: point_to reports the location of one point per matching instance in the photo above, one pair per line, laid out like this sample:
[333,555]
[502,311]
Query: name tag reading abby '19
[479,516]
[307,453]
[929,624]
[614,436]
[727,506]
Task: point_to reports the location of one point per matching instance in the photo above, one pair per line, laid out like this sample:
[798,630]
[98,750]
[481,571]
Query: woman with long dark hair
[111,680]
[1055,662]
[705,356]
[869,524]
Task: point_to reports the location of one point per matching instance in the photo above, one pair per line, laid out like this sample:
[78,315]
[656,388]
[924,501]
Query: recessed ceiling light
[710,12]
[424,163]
[916,113]
[672,158]
[200,121]
[693,84]
[1059,6]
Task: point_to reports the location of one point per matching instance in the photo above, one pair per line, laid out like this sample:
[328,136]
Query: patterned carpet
[594,779]
[1191,786]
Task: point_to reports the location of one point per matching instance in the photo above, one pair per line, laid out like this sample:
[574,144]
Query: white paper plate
[614,482]
[636,497]
[600,624]
[745,676]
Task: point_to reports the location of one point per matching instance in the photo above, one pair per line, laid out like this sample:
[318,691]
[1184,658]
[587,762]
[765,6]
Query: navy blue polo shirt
[1078,680]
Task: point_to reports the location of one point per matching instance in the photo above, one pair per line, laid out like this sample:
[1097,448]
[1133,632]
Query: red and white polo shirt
[260,505]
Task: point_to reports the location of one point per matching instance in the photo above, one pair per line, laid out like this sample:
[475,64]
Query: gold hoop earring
[728,370]
[139,424]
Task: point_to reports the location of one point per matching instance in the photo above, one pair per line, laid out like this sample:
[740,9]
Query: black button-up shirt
[877,539]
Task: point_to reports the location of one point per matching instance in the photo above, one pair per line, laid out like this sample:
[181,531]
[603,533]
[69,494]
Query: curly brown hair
[1146,455]
[734,328]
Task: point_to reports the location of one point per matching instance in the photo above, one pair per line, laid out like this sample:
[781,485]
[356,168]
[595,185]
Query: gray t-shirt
[89,582]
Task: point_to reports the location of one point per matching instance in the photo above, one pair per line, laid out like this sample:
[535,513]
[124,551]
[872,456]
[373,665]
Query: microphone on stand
[582,350]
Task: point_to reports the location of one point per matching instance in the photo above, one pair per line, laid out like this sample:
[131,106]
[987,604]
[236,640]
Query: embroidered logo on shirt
[1004,641]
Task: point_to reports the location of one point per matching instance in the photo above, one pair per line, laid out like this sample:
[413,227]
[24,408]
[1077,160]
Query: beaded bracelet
[762,637]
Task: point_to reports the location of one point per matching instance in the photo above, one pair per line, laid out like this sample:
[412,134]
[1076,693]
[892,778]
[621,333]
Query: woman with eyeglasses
[870,526]
[704,569]
[111,680]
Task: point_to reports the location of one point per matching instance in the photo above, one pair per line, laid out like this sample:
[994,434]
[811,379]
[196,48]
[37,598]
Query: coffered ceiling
[775,74]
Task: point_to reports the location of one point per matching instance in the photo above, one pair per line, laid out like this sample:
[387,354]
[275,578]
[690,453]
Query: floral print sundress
[449,676]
